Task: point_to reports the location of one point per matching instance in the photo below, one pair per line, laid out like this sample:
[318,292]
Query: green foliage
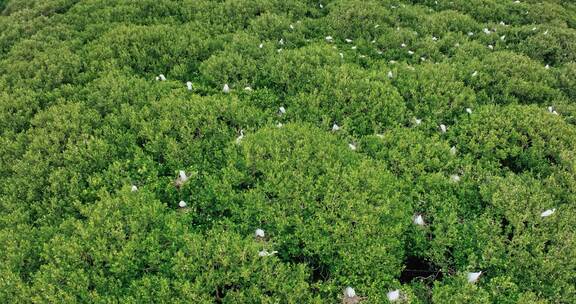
[83,120]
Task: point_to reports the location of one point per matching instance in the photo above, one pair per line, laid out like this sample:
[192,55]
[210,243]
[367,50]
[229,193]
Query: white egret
[239,138]
[261,45]
[259,233]
[134,188]
[393,295]
[473,276]
[475,74]
[329,38]
[403,45]
[335,128]
[341,55]
[226,88]
[503,37]
[189,85]
[551,110]
[161,77]
[417,121]
[348,40]
[181,179]
[443,128]
[352,146]
[490,46]
[468,110]
[349,292]
[281,42]
[486,31]
[410,52]
[548,212]
[453,150]
[182,204]
[419,220]
[265,253]
[455,178]
[282,110]
[390,75]
[247,89]
[279,125]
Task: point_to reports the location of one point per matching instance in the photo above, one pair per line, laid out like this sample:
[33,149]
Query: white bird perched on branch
[453,150]
[468,110]
[181,179]
[417,121]
[455,178]
[352,146]
[390,75]
[259,233]
[548,212]
[393,295]
[443,128]
[264,253]
[551,110]
[226,88]
[134,188]
[350,296]
[335,128]
[161,77]
[182,204]
[239,138]
[473,276]
[348,40]
[281,110]
[419,220]
[189,85]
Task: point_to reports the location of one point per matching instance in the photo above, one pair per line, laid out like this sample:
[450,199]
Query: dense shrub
[331,125]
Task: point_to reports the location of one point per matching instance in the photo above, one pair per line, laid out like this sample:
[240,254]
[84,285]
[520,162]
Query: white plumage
[282,110]
[134,188]
[473,276]
[226,88]
[161,77]
[453,150]
[417,121]
[239,138]
[348,40]
[352,146]
[182,175]
[259,233]
[393,295]
[419,220]
[443,128]
[335,128]
[264,253]
[189,85]
[390,75]
[329,38]
[548,212]
[455,178]
[468,110]
[182,204]
[349,292]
